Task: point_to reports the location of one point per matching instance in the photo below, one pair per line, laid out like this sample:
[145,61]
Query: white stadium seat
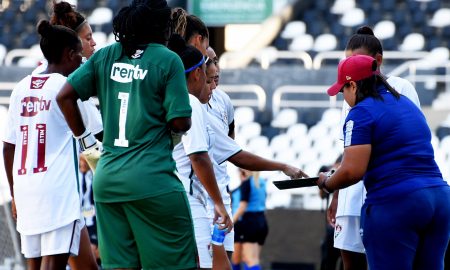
[353,17]
[441,18]
[293,29]
[384,30]
[412,42]
[325,42]
[302,43]
[285,118]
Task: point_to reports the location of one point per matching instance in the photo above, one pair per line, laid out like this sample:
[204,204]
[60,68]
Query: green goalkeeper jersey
[138,96]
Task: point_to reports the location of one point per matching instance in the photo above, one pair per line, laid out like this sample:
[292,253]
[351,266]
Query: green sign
[222,12]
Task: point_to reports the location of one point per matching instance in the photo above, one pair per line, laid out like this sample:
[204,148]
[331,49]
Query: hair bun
[44,28]
[365,30]
[177,43]
[62,8]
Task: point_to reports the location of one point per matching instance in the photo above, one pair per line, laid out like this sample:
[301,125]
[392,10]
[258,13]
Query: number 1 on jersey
[123,110]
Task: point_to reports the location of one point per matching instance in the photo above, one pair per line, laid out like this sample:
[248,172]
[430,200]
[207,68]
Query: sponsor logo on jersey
[137,54]
[33,105]
[125,73]
[38,82]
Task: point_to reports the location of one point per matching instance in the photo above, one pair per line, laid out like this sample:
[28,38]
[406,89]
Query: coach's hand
[222,218]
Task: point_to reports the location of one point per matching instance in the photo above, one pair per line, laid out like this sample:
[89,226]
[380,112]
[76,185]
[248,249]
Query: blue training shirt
[402,157]
[253,195]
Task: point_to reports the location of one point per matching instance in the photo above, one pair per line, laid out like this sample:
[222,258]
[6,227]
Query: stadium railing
[319,90]
[260,95]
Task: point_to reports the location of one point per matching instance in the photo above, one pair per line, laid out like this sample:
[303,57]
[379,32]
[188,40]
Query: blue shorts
[410,232]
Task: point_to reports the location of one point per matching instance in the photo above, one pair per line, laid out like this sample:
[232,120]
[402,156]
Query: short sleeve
[358,127]
[195,141]
[224,147]
[83,79]
[91,116]
[176,99]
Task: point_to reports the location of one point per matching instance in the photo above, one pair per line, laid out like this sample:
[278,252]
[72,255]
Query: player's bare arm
[252,162]
[8,160]
[67,101]
[351,171]
[180,124]
[203,168]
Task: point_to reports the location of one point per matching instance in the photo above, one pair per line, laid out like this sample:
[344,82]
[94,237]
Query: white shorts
[202,231]
[228,243]
[347,234]
[60,241]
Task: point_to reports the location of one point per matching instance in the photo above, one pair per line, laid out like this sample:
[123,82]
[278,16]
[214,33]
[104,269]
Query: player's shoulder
[400,85]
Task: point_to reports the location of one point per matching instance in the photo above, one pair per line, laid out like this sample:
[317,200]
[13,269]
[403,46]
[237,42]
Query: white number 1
[122,140]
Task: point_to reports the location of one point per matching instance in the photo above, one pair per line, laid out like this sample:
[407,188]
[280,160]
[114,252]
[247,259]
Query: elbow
[180,125]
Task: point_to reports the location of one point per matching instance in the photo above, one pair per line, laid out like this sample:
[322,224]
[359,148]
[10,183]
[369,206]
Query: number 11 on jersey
[122,140]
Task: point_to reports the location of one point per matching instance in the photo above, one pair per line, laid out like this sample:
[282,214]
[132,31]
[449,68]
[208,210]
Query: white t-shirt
[352,198]
[199,138]
[45,158]
[221,115]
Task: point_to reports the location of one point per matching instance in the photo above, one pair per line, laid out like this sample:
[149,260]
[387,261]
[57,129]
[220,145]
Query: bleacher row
[410,25]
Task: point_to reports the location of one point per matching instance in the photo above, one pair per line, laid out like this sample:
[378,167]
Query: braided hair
[140,23]
[65,14]
[54,39]
[187,25]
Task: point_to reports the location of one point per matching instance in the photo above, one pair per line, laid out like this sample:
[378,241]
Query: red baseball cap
[353,68]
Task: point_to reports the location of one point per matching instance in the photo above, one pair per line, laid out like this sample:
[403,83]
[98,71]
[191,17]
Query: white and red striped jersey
[46,155]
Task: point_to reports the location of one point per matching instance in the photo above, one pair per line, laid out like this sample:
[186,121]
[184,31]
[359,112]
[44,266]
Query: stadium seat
[243,115]
[248,131]
[293,29]
[302,43]
[384,30]
[412,42]
[285,118]
[280,142]
[342,6]
[101,39]
[258,142]
[325,42]
[441,18]
[353,17]
[100,16]
[2,53]
[297,131]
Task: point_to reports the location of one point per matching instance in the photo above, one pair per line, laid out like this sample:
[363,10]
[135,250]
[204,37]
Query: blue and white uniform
[351,199]
[405,189]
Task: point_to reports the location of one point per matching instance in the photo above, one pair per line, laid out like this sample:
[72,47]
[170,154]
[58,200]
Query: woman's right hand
[332,208]
[222,218]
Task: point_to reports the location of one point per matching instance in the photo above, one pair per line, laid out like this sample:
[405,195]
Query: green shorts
[152,233]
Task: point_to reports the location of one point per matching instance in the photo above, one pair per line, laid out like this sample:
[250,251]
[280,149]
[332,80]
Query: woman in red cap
[405,219]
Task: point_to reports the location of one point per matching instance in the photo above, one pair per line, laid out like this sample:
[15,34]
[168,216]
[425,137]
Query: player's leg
[55,262]
[435,236]
[117,245]
[250,255]
[347,238]
[353,260]
[34,263]
[236,258]
[162,227]
[85,259]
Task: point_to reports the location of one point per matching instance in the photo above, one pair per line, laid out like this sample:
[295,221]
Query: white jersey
[221,115]
[199,138]
[45,158]
[352,198]
[91,115]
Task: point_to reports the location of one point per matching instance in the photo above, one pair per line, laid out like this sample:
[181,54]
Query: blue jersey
[402,157]
[253,195]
